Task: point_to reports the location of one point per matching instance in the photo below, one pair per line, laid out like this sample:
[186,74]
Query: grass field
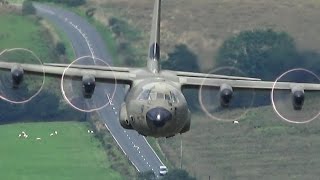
[25,32]
[71,154]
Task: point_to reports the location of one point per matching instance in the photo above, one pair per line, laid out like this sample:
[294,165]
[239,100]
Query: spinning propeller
[85,94]
[225,103]
[18,86]
[296,105]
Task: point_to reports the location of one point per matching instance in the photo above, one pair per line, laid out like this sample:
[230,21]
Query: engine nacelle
[226,93]
[17,76]
[88,85]
[297,97]
[124,121]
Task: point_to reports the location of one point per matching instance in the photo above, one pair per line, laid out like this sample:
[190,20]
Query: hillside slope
[205,24]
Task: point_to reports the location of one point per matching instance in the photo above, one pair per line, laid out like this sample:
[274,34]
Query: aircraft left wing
[101,73]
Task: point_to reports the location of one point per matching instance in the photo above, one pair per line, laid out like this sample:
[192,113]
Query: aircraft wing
[200,79]
[101,73]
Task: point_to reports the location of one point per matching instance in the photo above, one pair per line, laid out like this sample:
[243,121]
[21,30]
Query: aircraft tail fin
[154,46]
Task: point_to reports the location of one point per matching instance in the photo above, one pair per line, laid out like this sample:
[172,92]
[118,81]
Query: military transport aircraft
[154,104]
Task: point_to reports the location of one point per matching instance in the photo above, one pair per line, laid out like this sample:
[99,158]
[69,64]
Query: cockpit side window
[173,97]
[167,97]
[152,96]
[144,95]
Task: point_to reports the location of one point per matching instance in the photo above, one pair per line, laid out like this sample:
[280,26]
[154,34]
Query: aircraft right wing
[226,85]
[200,79]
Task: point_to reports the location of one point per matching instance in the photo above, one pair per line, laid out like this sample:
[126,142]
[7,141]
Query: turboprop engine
[226,93]
[297,97]
[88,85]
[17,76]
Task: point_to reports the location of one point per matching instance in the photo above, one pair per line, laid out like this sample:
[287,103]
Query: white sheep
[51,134]
[235,122]
[38,138]
[56,132]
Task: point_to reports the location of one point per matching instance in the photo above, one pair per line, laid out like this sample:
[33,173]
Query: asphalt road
[86,41]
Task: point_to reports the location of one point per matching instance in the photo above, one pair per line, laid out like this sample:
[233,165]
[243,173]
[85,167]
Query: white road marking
[110,100]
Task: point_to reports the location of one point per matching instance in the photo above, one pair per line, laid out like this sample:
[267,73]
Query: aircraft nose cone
[158,117]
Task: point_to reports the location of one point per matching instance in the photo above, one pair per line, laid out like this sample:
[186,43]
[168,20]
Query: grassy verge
[59,36]
[25,32]
[71,154]
[154,143]
[119,162]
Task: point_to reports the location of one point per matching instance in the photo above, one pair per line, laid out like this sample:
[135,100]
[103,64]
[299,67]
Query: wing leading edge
[102,74]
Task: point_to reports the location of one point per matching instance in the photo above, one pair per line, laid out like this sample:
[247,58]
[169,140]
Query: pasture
[72,153]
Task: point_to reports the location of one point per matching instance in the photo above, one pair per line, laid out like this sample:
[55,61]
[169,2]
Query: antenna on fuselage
[154,45]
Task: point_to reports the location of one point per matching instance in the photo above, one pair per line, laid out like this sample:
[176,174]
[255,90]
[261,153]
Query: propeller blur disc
[209,98]
[31,85]
[282,100]
[71,87]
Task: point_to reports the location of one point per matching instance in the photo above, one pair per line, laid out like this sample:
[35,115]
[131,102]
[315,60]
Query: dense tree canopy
[67,2]
[148,175]
[61,48]
[259,53]
[178,174]
[181,59]
[28,8]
